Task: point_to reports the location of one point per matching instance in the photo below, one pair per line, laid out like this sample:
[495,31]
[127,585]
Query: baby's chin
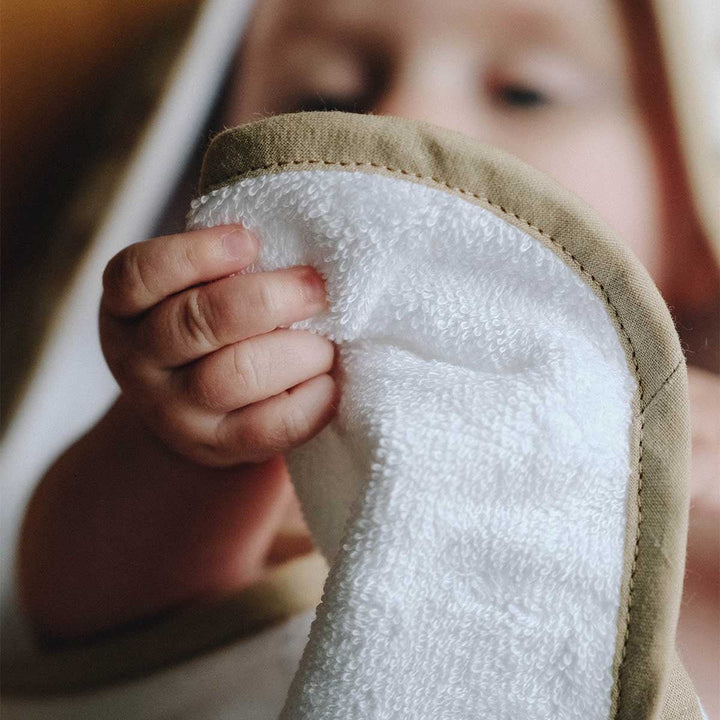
[292,538]
[287,546]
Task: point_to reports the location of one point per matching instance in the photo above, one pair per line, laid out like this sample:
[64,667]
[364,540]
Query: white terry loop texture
[481,451]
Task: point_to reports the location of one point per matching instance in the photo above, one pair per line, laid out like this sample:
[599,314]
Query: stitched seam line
[643,405]
[649,401]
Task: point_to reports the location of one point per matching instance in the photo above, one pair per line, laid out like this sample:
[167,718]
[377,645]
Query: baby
[181,490]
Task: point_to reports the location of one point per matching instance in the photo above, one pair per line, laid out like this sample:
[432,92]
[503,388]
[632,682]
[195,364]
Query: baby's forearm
[121,528]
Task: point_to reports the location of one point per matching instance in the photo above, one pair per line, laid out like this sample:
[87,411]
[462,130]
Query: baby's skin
[203,353]
[181,490]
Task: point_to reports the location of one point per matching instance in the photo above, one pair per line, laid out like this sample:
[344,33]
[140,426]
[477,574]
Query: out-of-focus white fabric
[247,680]
[71,386]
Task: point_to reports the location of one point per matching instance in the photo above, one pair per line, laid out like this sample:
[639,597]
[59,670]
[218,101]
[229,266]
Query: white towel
[471,491]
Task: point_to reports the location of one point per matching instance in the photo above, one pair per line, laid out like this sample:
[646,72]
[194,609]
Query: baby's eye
[518,96]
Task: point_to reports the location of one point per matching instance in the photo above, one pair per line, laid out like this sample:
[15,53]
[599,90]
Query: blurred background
[76,90]
[78,83]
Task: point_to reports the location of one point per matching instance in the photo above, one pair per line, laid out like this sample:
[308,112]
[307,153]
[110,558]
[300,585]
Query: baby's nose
[432,83]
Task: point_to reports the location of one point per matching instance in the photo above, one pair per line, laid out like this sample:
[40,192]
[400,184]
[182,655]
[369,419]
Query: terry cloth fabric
[481,491]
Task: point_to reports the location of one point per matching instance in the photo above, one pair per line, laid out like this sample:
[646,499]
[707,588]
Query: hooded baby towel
[501,495]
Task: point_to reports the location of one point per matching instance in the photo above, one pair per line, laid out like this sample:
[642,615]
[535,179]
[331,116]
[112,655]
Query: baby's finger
[203,319]
[143,274]
[278,424]
[255,369]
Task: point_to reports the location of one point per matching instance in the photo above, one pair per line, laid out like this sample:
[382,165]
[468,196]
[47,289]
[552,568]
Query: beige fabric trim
[680,700]
[290,589]
[657,492]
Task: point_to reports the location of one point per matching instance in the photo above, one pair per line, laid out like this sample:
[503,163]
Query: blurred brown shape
[78,81]
[52,55]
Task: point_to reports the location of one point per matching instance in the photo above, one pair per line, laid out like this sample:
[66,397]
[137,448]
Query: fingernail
[238,244]
[313,285]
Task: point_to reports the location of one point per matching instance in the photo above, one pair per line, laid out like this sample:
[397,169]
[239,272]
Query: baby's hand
[203,355]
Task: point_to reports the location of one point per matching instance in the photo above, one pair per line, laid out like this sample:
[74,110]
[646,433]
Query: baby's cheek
[609,163]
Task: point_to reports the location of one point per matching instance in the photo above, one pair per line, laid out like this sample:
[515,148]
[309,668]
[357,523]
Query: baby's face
[548,80]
